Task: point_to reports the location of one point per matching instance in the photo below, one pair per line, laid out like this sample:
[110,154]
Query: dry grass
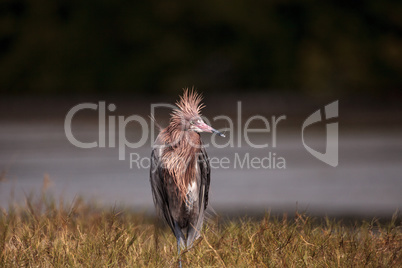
[47,234]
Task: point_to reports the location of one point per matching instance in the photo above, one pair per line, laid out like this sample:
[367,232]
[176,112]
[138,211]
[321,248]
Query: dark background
[318,48]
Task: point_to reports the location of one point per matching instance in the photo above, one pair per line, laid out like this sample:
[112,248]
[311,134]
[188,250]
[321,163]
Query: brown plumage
[182,145]
[180,170]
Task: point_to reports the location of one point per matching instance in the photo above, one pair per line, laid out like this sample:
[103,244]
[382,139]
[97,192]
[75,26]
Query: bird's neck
[184,142]
[180,157]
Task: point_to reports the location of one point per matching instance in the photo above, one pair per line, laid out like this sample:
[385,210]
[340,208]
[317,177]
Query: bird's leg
[180,240]
[178,251]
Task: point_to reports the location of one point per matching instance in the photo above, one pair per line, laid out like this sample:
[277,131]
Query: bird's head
[188,114]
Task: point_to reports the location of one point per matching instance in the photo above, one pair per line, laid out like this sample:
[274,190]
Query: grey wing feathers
[161,198]
[195,230]
[159,193]
[205,175]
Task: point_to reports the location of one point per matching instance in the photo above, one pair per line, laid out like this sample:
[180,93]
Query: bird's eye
[191,122]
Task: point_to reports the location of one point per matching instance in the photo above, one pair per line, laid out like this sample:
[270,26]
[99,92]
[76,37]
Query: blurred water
[368,180]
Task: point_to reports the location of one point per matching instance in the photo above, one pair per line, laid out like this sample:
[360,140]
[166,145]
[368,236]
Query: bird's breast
[192,187]
[191,195]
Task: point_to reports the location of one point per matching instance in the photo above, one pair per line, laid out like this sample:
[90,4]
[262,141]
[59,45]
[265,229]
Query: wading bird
[180,171]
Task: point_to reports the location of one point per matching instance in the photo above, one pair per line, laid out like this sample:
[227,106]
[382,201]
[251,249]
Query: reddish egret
[180,171]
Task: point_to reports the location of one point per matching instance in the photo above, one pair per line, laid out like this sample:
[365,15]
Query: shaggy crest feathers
[189,104]
[181,149]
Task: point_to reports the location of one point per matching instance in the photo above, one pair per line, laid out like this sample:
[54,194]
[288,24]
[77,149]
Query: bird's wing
[205,176]
[159,191]
[194,230]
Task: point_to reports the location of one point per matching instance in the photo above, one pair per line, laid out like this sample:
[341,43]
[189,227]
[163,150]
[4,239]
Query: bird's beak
[205,128]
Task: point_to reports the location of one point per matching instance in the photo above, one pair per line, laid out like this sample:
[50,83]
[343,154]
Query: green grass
[47,234]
